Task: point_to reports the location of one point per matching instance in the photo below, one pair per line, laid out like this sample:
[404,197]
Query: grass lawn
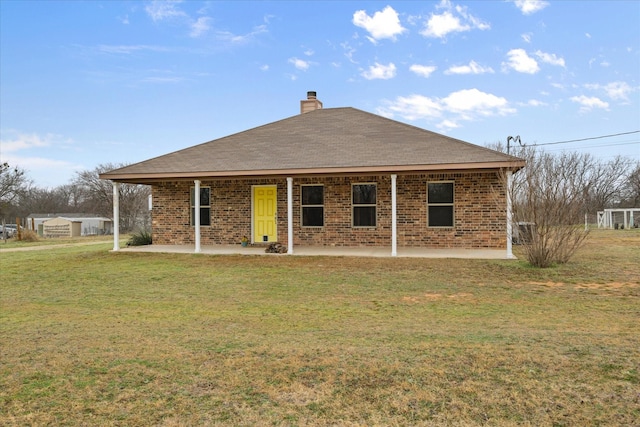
[90,337]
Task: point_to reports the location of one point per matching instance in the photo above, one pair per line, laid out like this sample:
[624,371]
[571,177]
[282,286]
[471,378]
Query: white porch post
[116,216]
[394,217]
[196,219]
[626,219]
[509,216]
[289,215]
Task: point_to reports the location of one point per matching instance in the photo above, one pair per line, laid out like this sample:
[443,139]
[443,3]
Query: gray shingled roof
[329,140]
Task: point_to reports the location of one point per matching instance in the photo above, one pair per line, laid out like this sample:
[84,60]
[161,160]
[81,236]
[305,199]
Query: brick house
[328,177]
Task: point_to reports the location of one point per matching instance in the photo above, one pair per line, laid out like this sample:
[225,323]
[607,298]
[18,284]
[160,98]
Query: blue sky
[90,82]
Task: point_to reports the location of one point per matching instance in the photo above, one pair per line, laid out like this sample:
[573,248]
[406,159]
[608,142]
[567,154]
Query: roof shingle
[326,140]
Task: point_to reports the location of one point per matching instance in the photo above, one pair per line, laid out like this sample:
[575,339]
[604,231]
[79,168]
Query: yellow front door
[264,214]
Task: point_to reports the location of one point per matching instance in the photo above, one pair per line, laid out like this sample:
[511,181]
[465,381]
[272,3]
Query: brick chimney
[310,104]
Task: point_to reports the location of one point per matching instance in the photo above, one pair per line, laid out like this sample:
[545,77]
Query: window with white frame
[312,205]
[440,204]
[205,206]
[363,200]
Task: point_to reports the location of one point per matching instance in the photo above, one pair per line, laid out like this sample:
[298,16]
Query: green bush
[140,238]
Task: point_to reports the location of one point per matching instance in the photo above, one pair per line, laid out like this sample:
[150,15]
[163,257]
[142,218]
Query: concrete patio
[327,251]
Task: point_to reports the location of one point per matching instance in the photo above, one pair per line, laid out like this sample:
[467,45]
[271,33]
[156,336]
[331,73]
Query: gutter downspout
[289,215]
[116,216]
[196,197]
[394,217]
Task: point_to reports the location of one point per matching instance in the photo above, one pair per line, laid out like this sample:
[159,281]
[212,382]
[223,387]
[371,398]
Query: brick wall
[479,212]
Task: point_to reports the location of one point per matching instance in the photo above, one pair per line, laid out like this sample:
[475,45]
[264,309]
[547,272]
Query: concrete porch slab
[327,251]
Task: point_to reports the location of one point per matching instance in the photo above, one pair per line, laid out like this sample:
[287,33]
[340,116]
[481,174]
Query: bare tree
[40,200]
[548,202]
[631,188]
[98,197]
[13,181]
[607,183]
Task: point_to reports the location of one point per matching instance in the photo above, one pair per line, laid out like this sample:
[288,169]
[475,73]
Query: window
[312,205]
[440,204]
[205,206]
[364,205]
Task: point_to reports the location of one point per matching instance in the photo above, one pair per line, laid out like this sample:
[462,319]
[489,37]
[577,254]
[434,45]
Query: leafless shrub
[28,235]
[549,196]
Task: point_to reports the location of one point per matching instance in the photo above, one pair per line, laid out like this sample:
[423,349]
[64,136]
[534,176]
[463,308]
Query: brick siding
[479,212]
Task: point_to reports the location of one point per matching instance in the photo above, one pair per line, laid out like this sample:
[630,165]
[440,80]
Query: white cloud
[614,90]
[446,125]
[463,105]
[129,49]
[200,26]
[441,25]
[159,10]
[349,51]
[452,20]
[45,172]
[473,102]
[521,62]
[380,71]
[536,103]
[42,164]
[264,67]
[383,24]
[29,151]
[413,107]
[476,23]
[162,80]
[618,90]
[589,103]
[423,70]
[472,68]
[528,7]
[244,39]
[550,58]
[26,141]
[300,64]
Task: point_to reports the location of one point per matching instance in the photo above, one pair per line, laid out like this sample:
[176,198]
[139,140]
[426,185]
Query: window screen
[440,204]
[312,205]
[364,205]
[205,206]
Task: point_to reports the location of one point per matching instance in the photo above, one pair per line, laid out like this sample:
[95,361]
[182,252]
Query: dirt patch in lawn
[429,297]
[593,286]
[607,286]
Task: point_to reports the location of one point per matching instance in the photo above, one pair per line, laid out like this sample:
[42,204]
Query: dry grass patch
[97,338]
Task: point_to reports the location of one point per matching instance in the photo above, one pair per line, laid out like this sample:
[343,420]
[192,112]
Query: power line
[608,144]
[586,147]
[584,139]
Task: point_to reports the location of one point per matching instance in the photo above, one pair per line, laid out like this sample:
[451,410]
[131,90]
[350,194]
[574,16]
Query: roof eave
[148,178]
